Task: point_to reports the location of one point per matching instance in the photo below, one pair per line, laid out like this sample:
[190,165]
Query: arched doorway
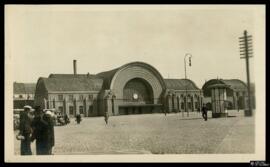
[138,97]
[138,90]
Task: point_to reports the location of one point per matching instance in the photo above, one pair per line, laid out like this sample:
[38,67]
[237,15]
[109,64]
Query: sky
[40,40]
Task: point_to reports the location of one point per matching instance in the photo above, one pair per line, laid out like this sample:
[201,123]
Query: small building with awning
[236,93]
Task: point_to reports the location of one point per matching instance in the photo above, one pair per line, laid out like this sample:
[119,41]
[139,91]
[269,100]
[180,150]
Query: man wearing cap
[25,131]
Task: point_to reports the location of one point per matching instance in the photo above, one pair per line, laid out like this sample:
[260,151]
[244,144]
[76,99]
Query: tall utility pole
[246,53]
[188,54]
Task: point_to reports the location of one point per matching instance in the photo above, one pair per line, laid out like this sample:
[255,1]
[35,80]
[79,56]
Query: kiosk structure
[218,98]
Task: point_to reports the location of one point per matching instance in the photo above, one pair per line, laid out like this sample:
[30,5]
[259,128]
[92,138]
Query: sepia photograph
[134,83]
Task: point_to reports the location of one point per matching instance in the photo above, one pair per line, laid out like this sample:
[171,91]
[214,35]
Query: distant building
[133,88]
[23,94]
[184,93]
[236,93]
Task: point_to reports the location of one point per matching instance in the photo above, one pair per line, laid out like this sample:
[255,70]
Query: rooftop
[24,88]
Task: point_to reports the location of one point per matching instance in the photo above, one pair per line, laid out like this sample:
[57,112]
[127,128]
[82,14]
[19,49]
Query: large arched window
[138,90]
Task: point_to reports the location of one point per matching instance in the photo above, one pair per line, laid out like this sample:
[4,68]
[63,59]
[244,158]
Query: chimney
[75,67]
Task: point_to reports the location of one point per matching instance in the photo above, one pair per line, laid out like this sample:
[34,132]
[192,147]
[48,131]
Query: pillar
[113,105]
[200,103]
[54,103]
[45,103]
[193,102]
[75,106]
[85,108]
[245,100]
[109,102]
[65,106]
[173,103]
[169,103]
[178,103]
[235,99]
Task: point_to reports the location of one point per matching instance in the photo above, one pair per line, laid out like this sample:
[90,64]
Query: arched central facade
[135,88]
[138,90]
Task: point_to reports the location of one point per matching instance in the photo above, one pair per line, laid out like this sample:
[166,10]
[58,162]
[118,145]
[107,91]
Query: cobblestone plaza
[155,134]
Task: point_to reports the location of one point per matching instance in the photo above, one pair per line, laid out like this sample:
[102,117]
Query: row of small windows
[21,96]
[71,97]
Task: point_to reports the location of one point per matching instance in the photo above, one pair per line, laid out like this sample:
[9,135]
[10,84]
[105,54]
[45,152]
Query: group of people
[39,126]
[36,126]
[62,120]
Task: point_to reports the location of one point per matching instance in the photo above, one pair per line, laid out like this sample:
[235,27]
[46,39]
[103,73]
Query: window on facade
[173,102]
[189,105]
[182,105]
[178,103]
[90,109]
[81,109]
[60,108]
[60,97]
[81,97]
[196,105]
[90,97]
[71,110]
[70,97]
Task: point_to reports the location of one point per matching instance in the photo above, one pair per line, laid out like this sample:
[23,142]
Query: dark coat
[25,123]
[44,134]
[78,118]
[204,110]
[25,131]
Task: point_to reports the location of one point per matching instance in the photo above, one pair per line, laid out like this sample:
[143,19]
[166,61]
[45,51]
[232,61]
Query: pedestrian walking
[164,110]
[66,119]
[78,118]
[106,117]
[43,131]
[204,112]
[25,130]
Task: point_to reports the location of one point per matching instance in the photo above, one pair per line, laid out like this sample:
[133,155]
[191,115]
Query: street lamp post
[187,55]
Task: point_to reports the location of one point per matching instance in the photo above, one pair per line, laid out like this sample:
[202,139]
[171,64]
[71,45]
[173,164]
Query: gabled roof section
[72,76]
[72,84]
[180,84]
[107,77]
[24,88]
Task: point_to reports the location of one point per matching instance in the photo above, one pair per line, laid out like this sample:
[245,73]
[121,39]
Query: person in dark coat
[164,110]
[43,132]
[204,112]
[78,118]
[66,119]
[106,117]
[49,131]
[25,131]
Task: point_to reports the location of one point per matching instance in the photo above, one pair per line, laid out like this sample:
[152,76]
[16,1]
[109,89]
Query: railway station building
[133,88]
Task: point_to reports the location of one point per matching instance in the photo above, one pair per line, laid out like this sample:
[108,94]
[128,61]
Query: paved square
[155,134]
